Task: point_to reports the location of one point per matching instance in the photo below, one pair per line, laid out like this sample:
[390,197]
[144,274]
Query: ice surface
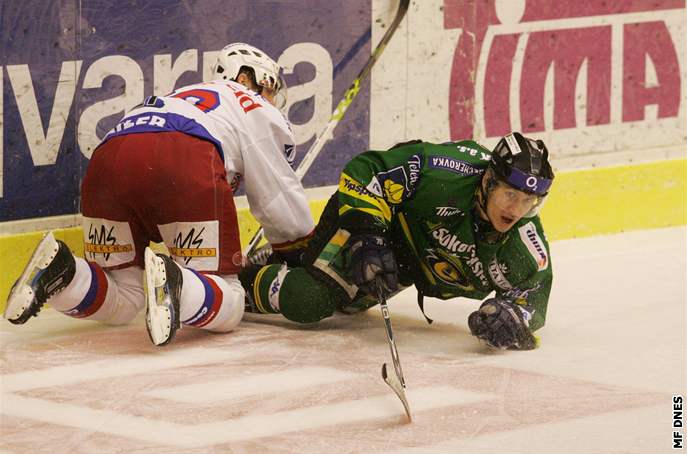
[612,355]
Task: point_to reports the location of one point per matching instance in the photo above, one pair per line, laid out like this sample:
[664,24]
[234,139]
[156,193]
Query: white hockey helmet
[234,56]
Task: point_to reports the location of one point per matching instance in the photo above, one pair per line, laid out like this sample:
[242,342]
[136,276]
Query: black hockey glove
[503,325]
[371,255]
[293,257]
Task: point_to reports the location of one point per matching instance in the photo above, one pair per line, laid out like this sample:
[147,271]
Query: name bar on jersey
[162,122]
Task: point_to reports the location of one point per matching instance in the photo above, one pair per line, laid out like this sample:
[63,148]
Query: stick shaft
[340,110]
[389,332]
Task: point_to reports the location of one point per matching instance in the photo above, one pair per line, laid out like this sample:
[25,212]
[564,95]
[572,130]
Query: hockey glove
[503,324]
[293,257]
[371,255]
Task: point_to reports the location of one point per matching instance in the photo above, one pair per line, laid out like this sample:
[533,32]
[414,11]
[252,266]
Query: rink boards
[603,83]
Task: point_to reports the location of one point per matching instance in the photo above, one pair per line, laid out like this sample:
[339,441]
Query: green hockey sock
[294,293]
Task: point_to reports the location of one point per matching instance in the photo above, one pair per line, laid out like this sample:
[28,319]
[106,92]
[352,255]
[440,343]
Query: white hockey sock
[85,294]
[211,302]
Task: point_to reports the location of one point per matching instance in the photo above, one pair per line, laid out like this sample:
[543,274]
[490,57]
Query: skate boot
[247,276]
[50,269]
[162,281]
[261,256]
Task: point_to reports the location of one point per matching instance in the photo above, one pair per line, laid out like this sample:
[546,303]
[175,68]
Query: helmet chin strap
[483,197]
[482,200]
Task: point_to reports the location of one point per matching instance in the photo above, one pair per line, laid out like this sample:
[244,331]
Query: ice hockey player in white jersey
[167,172]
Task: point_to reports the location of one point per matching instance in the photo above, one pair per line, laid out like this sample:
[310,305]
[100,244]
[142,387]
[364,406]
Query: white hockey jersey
[252,136]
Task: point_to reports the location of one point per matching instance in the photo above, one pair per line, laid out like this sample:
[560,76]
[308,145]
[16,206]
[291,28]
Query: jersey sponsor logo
[193,244]
[395,184]
[375,188]
[107,249]
[414,168]
[447,269]
[394,192]
[451,243]
[447,211]
[354,189]
[187,245]
[193,252]
[497,272]
[454,165]
[399,183]
[350,185]
[531,239]
[108,243]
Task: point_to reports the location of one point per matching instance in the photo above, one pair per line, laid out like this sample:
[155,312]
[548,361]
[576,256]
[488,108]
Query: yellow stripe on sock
[256,290]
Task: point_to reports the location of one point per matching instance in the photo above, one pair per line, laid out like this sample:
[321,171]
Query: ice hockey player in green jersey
[453,219]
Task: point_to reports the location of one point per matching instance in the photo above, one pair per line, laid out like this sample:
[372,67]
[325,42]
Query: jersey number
[205,100]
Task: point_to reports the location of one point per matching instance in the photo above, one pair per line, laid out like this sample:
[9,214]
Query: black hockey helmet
[523,164]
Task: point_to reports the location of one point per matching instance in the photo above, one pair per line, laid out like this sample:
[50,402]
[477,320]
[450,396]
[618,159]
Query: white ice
[612,357]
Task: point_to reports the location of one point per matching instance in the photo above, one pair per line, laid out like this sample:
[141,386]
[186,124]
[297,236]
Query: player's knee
[114,300]
[127,297]
[304,298]
[117,320]
[295,293]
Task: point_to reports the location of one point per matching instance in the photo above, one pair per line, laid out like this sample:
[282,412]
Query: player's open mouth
[506,219]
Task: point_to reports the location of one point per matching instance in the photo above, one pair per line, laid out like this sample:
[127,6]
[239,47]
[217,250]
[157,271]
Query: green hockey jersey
[423,196]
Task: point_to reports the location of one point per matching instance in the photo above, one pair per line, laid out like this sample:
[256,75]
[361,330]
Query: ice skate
[247,276]
[50,269]
[162,281]
[261,256]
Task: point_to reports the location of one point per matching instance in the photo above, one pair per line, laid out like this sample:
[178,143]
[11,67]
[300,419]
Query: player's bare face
[506,206]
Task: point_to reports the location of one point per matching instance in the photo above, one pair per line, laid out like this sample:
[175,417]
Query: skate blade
[158,314]
[21,295]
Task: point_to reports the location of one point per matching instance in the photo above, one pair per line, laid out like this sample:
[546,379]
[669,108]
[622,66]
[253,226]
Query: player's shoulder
[466,158]
[469,150]
[256,109]
[528,237]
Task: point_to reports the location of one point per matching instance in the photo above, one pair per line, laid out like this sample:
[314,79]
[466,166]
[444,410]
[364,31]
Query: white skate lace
[261,255]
